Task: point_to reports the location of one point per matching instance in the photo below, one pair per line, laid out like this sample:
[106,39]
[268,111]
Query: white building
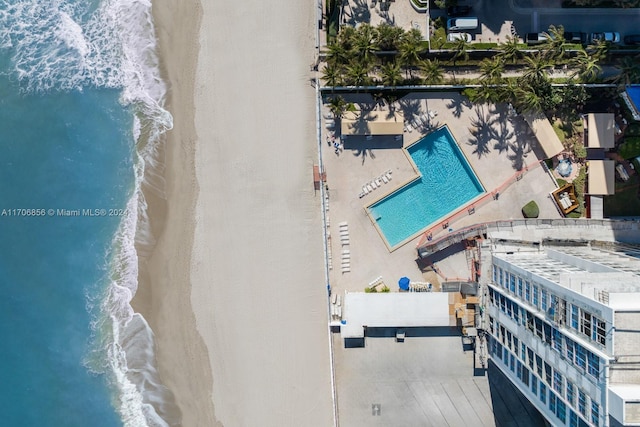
[564,325]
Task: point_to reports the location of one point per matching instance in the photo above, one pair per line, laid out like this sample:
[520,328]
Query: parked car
[632,39]
[536,38]
[451,37]
[575,37]
[610,37]
[458,10]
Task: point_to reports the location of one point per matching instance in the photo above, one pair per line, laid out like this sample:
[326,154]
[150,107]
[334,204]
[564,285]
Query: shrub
[385,289]
[631,147]
[531,210]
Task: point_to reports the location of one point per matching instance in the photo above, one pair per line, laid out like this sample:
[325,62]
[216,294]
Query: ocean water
[80,117]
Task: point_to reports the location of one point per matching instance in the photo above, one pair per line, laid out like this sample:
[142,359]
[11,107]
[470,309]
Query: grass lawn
[631,147]
[625,202]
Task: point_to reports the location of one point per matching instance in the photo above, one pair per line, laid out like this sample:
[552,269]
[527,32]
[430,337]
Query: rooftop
[586,270]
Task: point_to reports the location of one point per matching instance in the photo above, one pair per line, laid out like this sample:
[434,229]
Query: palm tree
[358,74]
[460,47]
[364,46]
[587,67]
[629,71]
[337,105]
[537,66]
[598,50]
[526,99]
[387,36]
[410,48]
[332,75]
[337,54]
[492,69]
[432,71]
[391,74]
[510,50]
[555,44]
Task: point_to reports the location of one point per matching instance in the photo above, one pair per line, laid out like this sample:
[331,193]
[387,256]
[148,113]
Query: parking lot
[531,16]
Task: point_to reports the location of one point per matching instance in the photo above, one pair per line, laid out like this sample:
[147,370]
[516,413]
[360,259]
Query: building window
[600,332]
[574,317]
[561,411]
[502,334]
[531,359]
[553,308]
[506,356]
[491,325]
[585,323]
[500,281]
[581,360]
[538,323]
[523,352]
[525,375]
[495,274]
[547,374]
[595,413]
[512,283]
[536,296]
[534,385]
[582,403]
[543,393]
[552,402]
[571,397]
[539,365]
[544,299]
[593,363]
[557,340]
[557,382]
[570,349]
[573,419]
[520,287]
[513,363]
[527,292]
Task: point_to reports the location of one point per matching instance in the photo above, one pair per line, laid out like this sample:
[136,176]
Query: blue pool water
[447,182]
[634,94]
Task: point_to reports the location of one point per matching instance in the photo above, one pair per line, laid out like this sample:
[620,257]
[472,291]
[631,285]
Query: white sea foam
[67,46]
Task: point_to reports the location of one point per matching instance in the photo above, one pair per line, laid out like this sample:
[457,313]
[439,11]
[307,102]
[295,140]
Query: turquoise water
[447,183]
[76,124]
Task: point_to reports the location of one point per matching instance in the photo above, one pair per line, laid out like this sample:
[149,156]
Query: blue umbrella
[404,283]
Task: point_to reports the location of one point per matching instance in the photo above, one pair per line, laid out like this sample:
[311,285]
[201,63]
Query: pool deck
[497,145]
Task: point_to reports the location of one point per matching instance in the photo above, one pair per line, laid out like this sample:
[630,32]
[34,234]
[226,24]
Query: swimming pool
[447,182]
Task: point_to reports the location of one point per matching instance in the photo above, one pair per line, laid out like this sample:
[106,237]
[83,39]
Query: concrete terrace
[399,13]
[426,381]
[498,145]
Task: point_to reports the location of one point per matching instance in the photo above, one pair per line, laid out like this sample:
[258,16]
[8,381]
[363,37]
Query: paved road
[536,15]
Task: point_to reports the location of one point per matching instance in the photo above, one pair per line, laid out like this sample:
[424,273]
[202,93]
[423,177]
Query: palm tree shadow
[482,131]
[502,135]
[458,105]
[359,12]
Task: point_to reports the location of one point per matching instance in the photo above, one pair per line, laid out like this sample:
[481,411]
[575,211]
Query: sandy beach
[235,289]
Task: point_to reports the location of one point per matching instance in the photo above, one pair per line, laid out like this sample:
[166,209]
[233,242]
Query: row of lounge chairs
[336,307]
[423,120]
[375,183]
[346,253]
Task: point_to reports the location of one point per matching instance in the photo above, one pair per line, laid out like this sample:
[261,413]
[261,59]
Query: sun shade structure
[372,123]
[394,309]
[601,130]
[544,132]
[601,179]
[403,283]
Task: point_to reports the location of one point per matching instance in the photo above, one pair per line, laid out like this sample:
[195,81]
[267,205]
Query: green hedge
[531,210]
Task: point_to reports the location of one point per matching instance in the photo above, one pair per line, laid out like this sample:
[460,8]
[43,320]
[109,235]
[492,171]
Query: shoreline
[164,287]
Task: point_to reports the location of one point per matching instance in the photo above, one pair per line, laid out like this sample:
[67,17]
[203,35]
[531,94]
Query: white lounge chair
[344,227]
[384,179]
[389,176]
[373,184]
[378,182]
[345,242]
[408,128]
[370,188]
[365,190]
[343,223]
